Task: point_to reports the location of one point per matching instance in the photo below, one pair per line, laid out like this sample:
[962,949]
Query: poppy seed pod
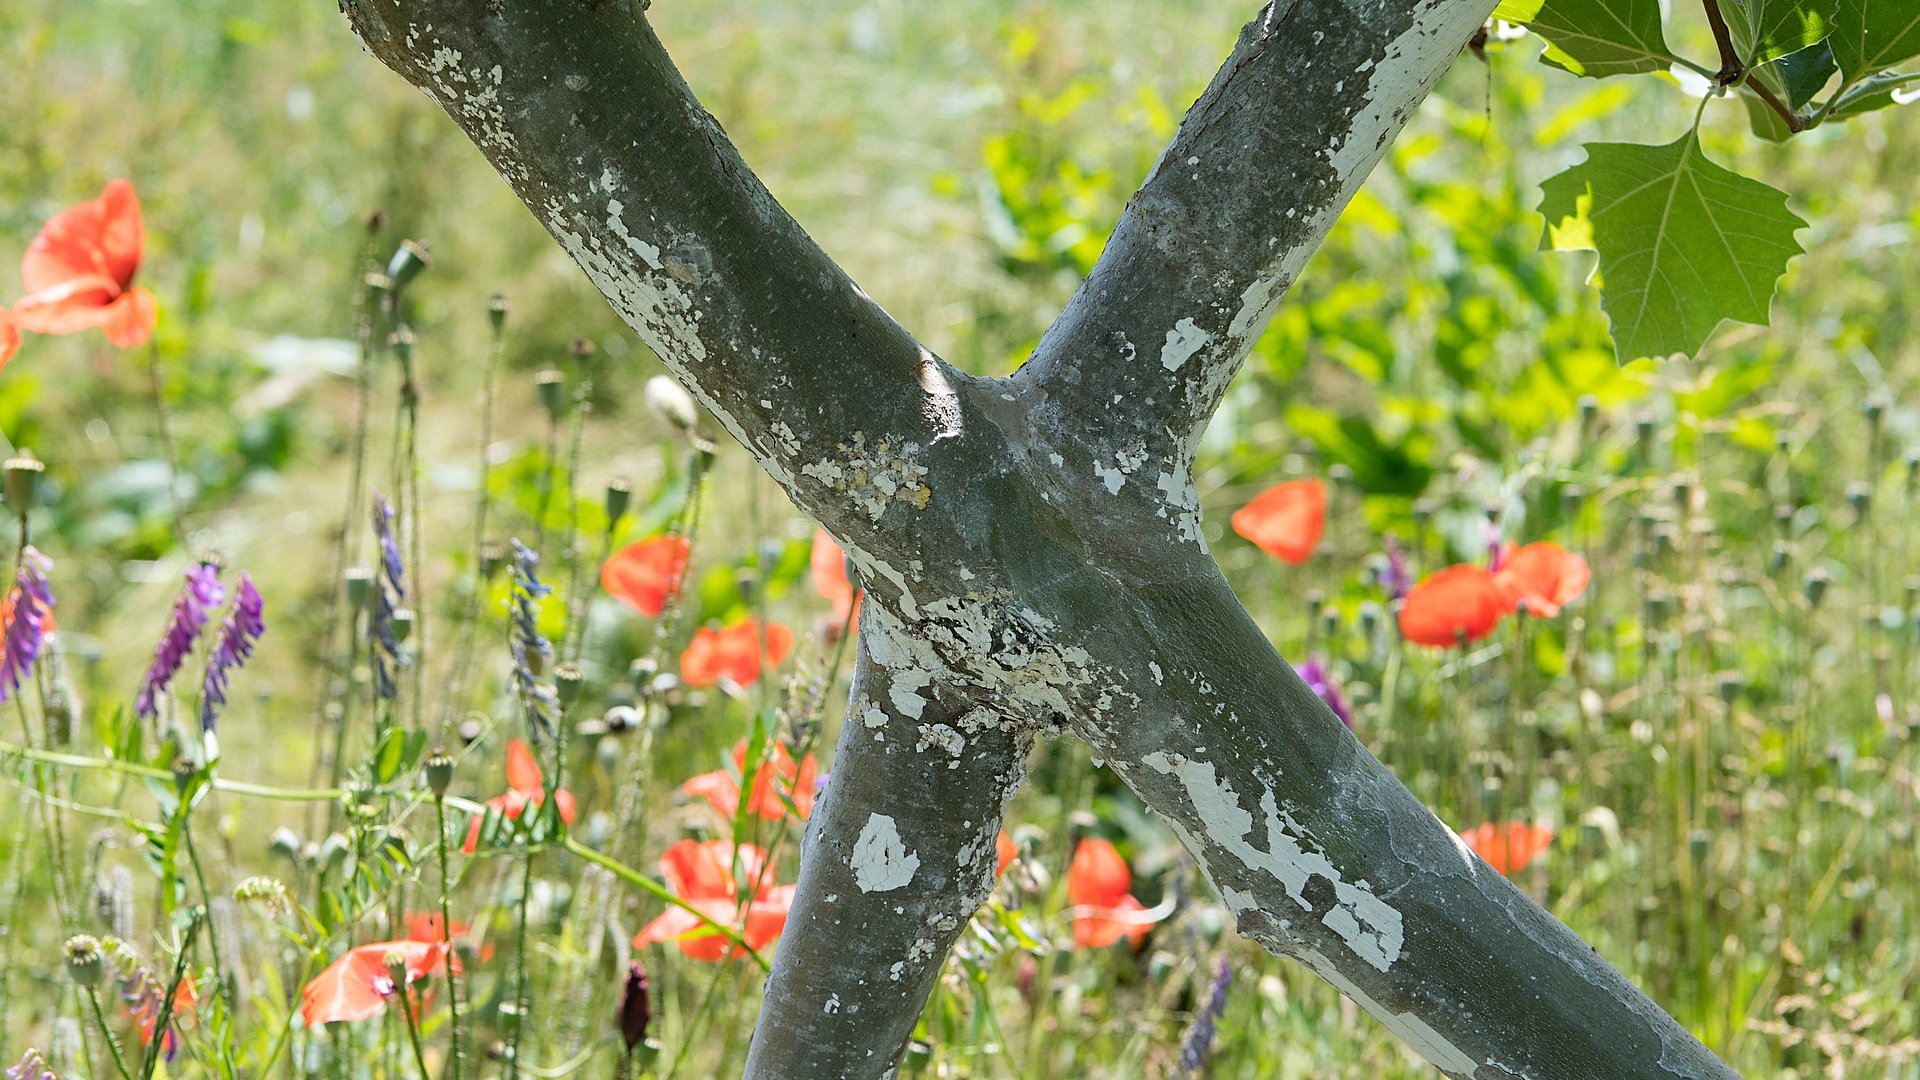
[492,557]
[439,771]
[402,623]
[551,387]
[619,497]
[1859,497]
[1814,585]
[567,681]
[1874,407]
[83,959]
[359,580]
[581,350]
[411,257]
[23,480]
[497,311]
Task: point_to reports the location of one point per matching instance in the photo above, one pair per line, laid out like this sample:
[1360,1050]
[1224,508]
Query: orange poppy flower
[9,337]
[1285,520]
[1510,846]
[425,926]
[1005,852]
[1098,884]
[719,880]
[1544,577]
[647,573]
[1460,602]
[721,788]
[526,786]
[828,568]
[358,985]
[79,271]
[733,653]
[47,625]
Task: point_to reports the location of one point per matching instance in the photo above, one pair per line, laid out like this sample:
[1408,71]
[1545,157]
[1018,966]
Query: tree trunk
[1031,545]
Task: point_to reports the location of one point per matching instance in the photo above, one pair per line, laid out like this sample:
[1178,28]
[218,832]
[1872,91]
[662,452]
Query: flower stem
[446,930]
[413,1033]
[113,1044]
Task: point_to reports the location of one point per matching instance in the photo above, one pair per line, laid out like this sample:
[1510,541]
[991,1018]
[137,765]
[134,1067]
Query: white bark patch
[1415,1032]
[1368,924]
[881,861]
[1183,341]
[945,738]
[833,1004]
[874,476]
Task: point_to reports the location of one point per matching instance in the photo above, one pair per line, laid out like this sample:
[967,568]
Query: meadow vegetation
[547,662]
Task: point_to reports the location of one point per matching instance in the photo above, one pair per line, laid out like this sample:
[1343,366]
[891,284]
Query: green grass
[1746,853]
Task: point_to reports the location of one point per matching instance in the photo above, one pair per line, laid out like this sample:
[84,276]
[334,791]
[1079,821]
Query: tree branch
[1260,168]
[580,109]
[898,855]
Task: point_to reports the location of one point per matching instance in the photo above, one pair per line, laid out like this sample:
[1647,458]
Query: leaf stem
[1794,121]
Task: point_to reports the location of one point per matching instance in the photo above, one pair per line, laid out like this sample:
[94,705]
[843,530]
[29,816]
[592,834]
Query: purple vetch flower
[203,593]
[26,620]
[31,1067]
[1396,579]
[530,648]
[1197,1049]
[1320,681]
[144,994]
[1496,550]
[388,594]
[242,627]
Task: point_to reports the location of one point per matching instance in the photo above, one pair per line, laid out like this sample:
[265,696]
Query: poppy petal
[9,336]
[67,307]
[1285,520]
[1098,876]
[122,236]
[828,568]
[523,772]
[130,318]
[1461,602]
[647,573]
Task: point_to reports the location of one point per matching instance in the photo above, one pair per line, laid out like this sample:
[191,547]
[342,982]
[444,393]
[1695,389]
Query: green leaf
[1803,74]
[1873,35]
[1595,38]
[1766,30]
[1876,92]
[1683,243]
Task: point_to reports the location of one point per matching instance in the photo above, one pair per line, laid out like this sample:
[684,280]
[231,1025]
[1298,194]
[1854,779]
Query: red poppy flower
[9,337]
[721,788]
[1543,576]
[733,653]
[1460,602]
[1005,852]
[647,573]
[732,886]
[79,271]
[828,567]
[425,926]
[1285,520]
[143,999]
[1510,846]
[358,985]
[526,786]
[1097,886]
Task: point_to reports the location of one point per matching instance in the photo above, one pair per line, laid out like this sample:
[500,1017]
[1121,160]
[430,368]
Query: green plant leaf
[1683,243]
[1873,35]
[1595,38]
[1803,74]
[1876,92]
[1766,30]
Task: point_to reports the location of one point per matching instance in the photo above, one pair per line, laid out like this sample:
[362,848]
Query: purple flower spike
[242,628]
[387,597]
[26,621]
[389,548]
[1397,579]
[1197,1049]
[190,611]
[1320,681]
[31,1067]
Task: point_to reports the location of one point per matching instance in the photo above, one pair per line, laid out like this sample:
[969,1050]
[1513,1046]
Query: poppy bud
[567,681]
[411,257]
[359,585]
[397,971]
[497,311]
[619,495]
[919,1056]
[439,773]
[671,402]
[23,480]
[552,387]
[83,959]
[284,841]
[636,1006]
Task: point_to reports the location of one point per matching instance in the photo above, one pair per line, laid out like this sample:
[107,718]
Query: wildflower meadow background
[403,678]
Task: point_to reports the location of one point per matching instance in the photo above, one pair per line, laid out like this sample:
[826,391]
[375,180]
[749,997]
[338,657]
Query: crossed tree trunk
[1030,545]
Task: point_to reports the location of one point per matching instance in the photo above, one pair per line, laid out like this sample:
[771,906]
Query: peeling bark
[898,856]
[1030,546]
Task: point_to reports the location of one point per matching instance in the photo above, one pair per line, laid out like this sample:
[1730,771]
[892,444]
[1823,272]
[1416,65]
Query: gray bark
[1031,545]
